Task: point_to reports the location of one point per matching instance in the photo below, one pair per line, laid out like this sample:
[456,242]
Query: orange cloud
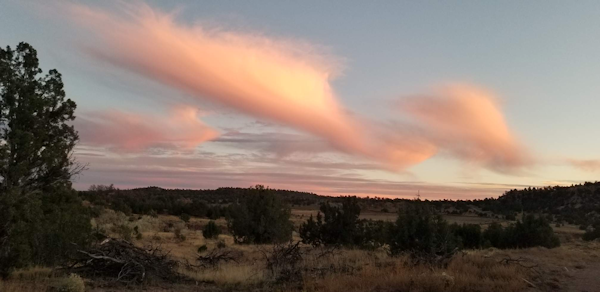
[130,132]
[282,81]
[468,123]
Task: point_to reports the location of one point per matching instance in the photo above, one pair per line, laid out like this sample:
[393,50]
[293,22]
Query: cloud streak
[288,82]
[589,165]
[284,81]
[132,132]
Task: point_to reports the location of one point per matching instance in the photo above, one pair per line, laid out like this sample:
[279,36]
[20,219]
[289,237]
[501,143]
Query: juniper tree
[39,211]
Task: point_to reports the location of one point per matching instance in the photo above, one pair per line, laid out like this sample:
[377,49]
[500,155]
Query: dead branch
[215,257]
[123,262]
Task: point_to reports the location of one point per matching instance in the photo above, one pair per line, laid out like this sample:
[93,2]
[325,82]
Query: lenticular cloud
[288,83]
[467,123]
[282,81]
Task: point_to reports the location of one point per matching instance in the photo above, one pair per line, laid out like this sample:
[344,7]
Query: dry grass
[230,274]
[375,271]
[345,270]
[36,279]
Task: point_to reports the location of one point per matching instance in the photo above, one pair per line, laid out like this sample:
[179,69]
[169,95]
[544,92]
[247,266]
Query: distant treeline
[577,204]
[198,203]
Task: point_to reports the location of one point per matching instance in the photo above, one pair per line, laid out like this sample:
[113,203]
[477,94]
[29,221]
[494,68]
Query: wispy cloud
[467,122]
[288,82]
[134,132]
[284,81]
[208,171]
[591,165]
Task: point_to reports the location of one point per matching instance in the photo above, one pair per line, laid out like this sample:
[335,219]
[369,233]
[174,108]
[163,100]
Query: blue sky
[540,60]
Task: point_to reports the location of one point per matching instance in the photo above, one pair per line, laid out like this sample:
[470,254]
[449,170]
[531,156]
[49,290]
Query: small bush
[592,233]
[419,231]
[185,217]
[221,244]
[72,283]
[211,230]
[470,235]
[123,231]
[178,235]
[202,248]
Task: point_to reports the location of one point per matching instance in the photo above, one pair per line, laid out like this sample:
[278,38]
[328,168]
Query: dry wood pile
[123,262]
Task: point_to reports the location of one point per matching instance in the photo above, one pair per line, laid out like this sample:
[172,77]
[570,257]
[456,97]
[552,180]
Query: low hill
[576,204]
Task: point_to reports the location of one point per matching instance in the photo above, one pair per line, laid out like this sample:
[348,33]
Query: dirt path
[586,279]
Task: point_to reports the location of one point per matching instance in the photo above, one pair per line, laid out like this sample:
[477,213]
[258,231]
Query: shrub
[123,231]
[469,235]
[45,229]
[532,231]
[419,231]
[337,225]
[221,244]
[592,233]
[185,217]
[260,218]
[178,235]
[494,234]
[202,248]
[211,230]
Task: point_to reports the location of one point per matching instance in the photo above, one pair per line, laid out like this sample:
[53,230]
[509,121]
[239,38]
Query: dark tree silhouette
[39,212]
[260,217]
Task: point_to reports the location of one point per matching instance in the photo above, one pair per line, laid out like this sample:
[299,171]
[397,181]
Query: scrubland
[321,269]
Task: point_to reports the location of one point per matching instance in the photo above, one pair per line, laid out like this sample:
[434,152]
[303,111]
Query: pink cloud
[201,173]
[590,165]
[468,123]
[131,132]
[284,81]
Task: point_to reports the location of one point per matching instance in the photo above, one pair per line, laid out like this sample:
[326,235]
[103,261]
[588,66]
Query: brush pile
[123,262]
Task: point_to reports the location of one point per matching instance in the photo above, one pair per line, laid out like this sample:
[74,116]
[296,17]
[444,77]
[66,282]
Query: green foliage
[202,248]
[419,231]
[124,231]
[470,235]
[494,234]
[185,217]
[259,218]
[34,117]
[211,230]
[340,225]
[41,218]
[532,231]
[592,233]
[43,230]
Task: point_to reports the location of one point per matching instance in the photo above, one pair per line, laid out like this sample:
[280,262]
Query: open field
[300,215]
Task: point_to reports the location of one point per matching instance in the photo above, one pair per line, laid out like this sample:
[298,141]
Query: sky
[447,100]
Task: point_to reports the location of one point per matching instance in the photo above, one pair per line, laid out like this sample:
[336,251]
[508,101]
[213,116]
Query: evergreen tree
[261,217]
[40,216]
